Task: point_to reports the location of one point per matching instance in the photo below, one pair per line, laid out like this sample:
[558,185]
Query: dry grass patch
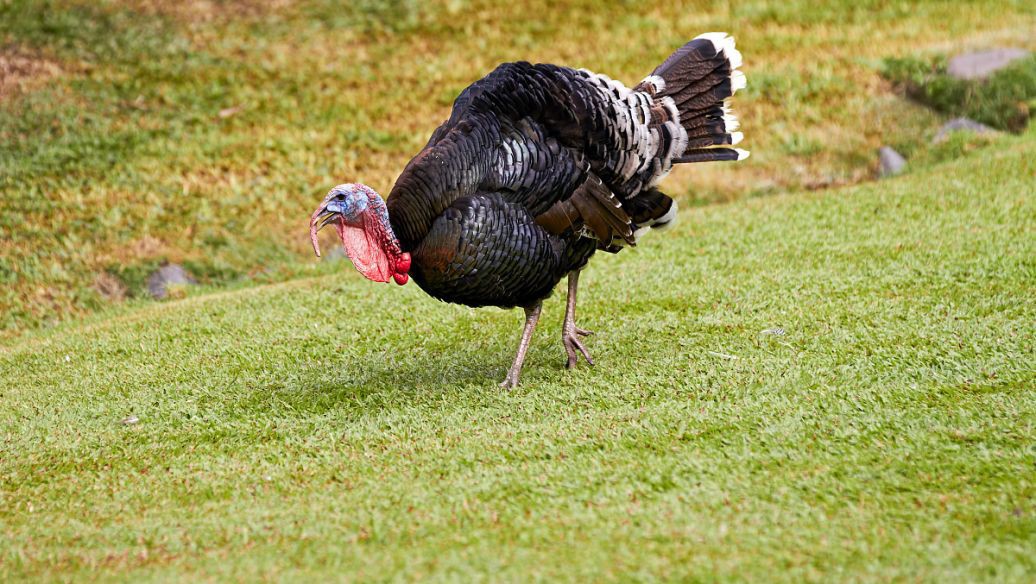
[205,11]
[110,287]
[22,69]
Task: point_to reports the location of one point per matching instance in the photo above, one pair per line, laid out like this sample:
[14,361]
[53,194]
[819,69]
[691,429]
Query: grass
[1002,101]
[329,428]
[296,422]
[120,159]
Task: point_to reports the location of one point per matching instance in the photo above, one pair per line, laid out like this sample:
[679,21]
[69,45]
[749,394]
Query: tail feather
[651,208]
[689,116]
[712,154]
[700,78]
[706,140]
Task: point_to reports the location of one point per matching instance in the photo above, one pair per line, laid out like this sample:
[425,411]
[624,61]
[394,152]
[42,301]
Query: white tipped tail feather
[737,81]
[697,81]
[679,114]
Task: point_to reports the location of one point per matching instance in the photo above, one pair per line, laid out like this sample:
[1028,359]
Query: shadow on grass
[380,385]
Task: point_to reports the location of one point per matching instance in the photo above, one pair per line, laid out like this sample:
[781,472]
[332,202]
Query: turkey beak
[321,219]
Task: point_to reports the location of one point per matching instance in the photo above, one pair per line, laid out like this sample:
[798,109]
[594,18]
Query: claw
[570,333]
[573,344]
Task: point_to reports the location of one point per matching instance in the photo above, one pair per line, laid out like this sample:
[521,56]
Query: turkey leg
[570,333]
[532,316]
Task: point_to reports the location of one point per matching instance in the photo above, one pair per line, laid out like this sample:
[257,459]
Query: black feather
[708,155]
[493,209]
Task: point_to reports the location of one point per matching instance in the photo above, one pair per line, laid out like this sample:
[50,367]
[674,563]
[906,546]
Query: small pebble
[159,282]
[890,162]
[961,125]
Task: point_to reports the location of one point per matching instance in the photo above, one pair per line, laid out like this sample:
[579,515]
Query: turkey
[537,168]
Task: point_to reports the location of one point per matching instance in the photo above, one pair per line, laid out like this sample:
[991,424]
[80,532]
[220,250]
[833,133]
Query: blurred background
[198,135]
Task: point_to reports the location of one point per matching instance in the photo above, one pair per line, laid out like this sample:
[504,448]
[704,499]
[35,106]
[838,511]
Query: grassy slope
[330,427]
[122,159]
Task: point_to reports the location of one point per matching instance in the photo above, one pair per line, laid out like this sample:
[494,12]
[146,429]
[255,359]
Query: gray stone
[960,125]
[160,280]
[890,162]
[982,64]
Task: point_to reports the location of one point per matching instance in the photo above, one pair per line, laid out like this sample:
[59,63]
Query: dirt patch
[110,287]
[146,246]
[22,69]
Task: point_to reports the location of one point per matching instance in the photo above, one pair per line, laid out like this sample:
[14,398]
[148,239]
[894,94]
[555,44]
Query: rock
[159,282]
[890,162]
[982,64]
[960,125]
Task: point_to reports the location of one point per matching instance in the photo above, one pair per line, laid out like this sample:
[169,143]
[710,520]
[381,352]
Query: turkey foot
[570,333]
[532,316]
[570,337]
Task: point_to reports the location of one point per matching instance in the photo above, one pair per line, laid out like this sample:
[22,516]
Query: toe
[573,344]
[586,354]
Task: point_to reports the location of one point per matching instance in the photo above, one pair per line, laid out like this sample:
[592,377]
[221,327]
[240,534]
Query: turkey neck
[382,225]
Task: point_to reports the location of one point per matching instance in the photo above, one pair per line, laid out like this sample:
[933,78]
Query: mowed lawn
[330,428]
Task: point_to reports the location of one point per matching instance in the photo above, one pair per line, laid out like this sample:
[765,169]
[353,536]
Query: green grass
[1002,101]
[321,427]
[122,160]
[329,428]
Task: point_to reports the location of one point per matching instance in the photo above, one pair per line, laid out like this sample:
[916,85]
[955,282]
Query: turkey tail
[700,78]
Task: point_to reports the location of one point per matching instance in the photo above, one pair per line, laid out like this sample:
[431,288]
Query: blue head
[361,219]
[347,201]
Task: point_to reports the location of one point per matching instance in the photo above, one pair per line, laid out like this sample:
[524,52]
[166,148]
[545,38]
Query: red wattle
[364,247]
[400,278]
[403,263]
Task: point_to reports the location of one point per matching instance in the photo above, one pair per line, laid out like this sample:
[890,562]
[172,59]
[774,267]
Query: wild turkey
[537,168]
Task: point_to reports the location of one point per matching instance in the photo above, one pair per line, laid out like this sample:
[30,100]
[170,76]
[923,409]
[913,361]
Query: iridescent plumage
[539,166]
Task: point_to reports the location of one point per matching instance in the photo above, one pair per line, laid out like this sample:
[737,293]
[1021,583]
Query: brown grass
[110,287]
[205,11]
[22,69]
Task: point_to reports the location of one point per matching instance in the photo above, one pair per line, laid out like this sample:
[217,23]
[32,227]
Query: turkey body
[540,166]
